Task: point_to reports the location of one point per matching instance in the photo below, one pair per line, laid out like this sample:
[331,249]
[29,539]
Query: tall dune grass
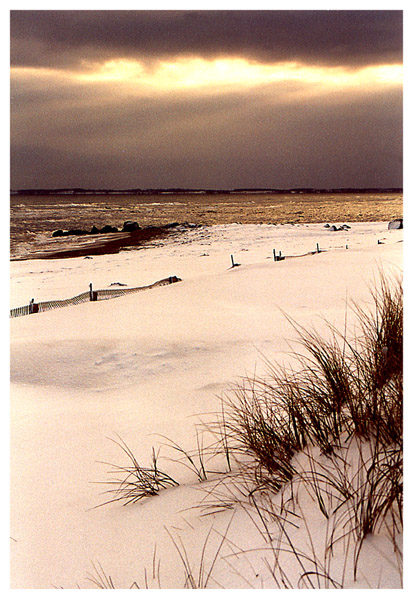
[343,387]
[345,401]
[304,427]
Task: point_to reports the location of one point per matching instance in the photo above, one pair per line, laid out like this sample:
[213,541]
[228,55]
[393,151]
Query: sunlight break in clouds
[200,73]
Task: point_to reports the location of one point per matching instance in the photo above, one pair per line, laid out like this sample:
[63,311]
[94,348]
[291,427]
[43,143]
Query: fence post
[92,295]
[33,307]
[318,247]
[232,261]
[273,252]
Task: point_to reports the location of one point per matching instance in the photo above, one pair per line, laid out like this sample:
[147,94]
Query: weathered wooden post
[273,253]
[33,307]
[93,296]
[234,264]
[318,247]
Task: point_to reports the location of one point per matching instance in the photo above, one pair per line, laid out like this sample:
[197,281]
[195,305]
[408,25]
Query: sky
[217,99]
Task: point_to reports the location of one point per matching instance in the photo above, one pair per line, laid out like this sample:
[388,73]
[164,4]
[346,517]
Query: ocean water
[33,218]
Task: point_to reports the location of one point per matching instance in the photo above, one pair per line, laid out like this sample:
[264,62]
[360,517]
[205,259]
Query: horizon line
[77,189]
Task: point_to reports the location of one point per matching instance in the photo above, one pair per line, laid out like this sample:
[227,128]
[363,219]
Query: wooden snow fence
[91,295]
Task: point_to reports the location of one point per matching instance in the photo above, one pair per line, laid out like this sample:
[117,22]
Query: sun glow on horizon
[222,74]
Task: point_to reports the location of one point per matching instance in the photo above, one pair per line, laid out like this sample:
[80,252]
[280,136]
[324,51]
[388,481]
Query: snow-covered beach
[157,364]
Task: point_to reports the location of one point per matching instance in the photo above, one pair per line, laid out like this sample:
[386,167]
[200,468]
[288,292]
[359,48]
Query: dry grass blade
[204,575]
[103,581]
[137,482]
[194,461]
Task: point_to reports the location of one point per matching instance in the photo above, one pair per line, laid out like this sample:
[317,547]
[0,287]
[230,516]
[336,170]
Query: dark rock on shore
[94,231]
[170,225]
[340,228]
[130,226]
[77,232]
[190,225]
[60,232]
[109,229]
[396,224]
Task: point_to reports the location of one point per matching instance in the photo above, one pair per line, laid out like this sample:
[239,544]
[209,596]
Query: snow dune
[156,364]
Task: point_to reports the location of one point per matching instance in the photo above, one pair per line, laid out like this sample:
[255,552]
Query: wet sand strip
[101,244]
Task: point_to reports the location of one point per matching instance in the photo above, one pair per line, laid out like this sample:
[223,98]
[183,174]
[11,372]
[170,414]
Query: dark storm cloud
[64,38]
[154,131]
[257,139]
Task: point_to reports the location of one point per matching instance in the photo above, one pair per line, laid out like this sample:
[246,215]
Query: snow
[156,364]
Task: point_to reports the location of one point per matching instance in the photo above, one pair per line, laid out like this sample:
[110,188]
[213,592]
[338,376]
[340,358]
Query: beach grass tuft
[136,482]
[343,387]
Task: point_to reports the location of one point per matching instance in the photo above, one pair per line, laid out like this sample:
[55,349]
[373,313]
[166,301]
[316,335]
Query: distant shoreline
[160,191]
